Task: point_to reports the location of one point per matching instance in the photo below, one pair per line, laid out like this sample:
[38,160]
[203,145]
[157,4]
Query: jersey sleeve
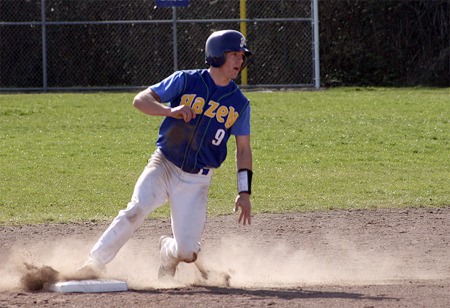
[171,87]
[242,125]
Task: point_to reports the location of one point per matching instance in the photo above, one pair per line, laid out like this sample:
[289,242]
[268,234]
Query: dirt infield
[361,258]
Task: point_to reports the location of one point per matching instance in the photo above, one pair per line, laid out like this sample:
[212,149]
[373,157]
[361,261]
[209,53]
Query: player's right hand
[243,201]
[183,112]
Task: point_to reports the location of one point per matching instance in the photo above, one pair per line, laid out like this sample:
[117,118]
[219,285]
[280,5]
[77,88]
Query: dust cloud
[248,264]
[281,265]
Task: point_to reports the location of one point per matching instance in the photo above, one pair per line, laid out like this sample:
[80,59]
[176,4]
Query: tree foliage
[362,42]
[397,43]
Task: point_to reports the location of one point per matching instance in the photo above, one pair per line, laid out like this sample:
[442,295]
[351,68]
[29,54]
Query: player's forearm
[244,159]
[244,173]
[148,104]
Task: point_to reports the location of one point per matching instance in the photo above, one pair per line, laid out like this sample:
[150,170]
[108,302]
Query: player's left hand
[182,112]
[243,201]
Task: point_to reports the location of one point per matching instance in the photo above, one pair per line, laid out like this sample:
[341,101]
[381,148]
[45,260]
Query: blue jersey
[220,112]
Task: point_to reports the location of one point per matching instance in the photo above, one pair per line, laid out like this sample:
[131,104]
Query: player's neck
[219,78]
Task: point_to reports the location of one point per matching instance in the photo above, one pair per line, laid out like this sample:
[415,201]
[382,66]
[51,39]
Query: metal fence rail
[119,45]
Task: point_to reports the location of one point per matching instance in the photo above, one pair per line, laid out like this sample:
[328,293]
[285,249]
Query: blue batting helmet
[220,42]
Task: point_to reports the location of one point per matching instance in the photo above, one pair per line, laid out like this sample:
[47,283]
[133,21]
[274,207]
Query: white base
[89,286]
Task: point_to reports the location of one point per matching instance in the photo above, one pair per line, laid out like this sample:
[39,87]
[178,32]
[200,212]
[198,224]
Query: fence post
[44,46]
[243,28]
[316,54]
[175,38]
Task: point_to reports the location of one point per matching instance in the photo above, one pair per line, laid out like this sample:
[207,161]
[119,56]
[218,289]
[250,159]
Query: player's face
[233,63]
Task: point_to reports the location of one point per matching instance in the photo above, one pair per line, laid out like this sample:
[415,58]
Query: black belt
[201,171]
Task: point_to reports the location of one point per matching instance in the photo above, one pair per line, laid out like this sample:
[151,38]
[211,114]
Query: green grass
[72,157]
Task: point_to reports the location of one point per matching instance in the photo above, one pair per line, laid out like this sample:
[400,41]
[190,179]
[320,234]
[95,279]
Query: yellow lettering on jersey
[232,117]
[187,99]
[221,113]
[198,105]
[212,107]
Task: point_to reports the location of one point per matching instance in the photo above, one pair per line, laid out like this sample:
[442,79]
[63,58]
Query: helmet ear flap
[215,61]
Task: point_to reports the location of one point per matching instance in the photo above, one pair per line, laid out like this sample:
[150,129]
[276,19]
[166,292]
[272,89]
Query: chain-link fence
[116,44]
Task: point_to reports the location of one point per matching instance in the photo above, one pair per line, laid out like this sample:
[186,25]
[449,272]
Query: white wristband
[244,181]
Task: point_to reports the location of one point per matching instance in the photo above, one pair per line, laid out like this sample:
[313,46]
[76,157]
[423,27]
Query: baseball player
[204,107]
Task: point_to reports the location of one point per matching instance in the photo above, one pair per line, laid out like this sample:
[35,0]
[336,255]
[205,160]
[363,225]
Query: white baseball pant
[161,181]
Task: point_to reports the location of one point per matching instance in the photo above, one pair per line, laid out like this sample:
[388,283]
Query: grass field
[68,157]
